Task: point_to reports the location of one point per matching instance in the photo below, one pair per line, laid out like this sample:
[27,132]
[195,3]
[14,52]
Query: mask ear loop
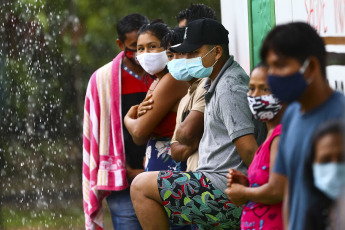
[304,67]
[208,53]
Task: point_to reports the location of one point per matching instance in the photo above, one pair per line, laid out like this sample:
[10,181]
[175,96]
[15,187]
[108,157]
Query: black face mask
[130,53]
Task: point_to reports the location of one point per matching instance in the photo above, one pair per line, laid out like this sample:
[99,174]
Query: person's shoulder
[106,67]
[235,74]
[200,89]
[201,82]
[340,97]
[169,80]
[101,70]
[292,110]
[338,102]
[335,103]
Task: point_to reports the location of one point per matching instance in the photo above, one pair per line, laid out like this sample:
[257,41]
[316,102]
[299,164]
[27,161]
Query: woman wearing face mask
[155,128]
[326,172]
[267,108]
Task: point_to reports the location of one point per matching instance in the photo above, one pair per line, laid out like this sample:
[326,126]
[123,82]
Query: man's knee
[145,184]
[137,184]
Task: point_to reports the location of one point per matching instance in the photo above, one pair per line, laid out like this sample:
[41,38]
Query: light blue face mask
[329,178]
[196,69]
[177,68]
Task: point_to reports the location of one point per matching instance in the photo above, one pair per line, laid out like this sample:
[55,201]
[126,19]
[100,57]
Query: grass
[71,217]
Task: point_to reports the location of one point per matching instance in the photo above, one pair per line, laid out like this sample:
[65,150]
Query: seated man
[229,141]
[190,113]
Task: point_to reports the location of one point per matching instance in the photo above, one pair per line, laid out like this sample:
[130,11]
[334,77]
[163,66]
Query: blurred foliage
[48,51]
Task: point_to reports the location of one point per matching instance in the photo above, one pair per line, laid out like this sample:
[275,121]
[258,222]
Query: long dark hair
[157,28]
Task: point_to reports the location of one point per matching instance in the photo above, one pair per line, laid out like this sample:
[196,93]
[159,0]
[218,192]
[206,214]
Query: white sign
[326,16]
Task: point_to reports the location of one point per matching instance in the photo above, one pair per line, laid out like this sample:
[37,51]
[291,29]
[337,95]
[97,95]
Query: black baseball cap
[200,32]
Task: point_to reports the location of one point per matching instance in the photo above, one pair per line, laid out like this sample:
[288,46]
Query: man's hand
[145,105]
[238,177]
[236,194]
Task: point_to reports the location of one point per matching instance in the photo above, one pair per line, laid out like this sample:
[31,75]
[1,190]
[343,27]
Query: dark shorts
[191,198]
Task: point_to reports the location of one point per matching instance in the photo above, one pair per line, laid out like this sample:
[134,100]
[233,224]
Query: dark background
[48,51]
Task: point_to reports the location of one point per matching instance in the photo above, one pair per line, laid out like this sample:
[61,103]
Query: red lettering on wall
[316,14]
[339,14]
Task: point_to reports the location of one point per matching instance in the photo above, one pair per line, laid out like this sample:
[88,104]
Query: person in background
[269,109]
[194,12]
[174,37]
[190,118]
[156,127]
[229,141]
[110,158]
[325,172]
[296,57]
[190,115]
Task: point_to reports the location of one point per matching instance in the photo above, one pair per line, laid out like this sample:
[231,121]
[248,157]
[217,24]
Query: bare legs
[147,202]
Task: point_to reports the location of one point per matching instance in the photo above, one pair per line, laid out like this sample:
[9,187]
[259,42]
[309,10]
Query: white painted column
[235,20]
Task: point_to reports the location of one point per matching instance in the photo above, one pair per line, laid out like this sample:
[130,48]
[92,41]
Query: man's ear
[120,44]
[313,68]
[219,52]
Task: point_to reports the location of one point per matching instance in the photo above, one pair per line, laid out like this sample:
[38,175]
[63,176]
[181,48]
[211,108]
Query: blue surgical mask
[177,68]
[289,88]
[329,178]
[196,69]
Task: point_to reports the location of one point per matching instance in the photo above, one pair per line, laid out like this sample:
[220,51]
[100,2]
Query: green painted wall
[261,19]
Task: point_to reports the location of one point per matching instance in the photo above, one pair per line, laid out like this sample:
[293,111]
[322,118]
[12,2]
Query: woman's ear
[120,44]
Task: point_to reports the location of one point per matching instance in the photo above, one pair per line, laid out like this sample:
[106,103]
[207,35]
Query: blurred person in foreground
[325,172]
[296,58]
[110,158]
[229,141]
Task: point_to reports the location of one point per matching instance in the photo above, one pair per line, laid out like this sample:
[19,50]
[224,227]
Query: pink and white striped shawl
[104,167]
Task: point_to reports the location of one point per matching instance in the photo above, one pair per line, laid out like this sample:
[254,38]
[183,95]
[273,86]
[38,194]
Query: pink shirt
[256,216]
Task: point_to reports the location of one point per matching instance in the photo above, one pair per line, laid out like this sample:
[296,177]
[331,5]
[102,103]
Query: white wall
[326,16]
[235,20]
[283,11]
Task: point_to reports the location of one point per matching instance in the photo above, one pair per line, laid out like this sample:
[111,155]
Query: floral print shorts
[158,156]
[191,198]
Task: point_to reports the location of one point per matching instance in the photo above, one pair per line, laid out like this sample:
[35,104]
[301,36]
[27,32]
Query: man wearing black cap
[229,141]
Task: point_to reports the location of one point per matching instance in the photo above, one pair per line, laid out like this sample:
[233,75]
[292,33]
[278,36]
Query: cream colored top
[193,100]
